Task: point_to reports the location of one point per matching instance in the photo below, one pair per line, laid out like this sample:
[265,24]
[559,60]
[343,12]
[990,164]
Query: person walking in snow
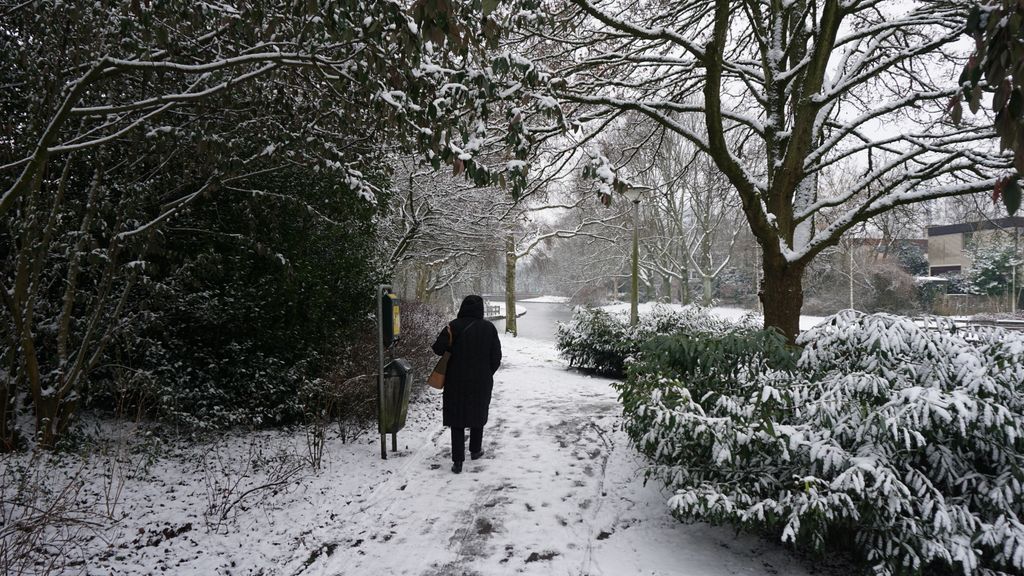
[475,356]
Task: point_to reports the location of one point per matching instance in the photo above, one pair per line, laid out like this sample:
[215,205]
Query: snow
[547,299]
[559,491]
[723,312]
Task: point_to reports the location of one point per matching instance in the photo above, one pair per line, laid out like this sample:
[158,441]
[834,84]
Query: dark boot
[476,442]
[457,467]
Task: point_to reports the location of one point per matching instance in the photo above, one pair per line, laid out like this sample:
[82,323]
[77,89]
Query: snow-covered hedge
[898,442]
[595,339]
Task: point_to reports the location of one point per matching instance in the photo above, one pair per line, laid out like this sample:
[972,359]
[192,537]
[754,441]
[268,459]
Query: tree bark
[782,295]
[421,282]
[53,419]
[510,286]
[8,396]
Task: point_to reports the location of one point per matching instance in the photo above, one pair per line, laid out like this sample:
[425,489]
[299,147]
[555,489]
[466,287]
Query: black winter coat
[475,356]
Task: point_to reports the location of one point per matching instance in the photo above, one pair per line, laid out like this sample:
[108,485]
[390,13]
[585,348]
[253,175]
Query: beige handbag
[436,379]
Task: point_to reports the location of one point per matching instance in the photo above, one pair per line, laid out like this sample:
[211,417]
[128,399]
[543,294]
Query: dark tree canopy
[997,67]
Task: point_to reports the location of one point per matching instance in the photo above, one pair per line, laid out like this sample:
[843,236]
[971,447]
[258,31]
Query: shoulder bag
[436,378]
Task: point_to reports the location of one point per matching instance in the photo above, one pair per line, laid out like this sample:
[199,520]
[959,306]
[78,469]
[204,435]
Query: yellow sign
[396,317]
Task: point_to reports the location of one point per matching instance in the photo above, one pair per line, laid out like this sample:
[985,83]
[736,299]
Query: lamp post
[633,194]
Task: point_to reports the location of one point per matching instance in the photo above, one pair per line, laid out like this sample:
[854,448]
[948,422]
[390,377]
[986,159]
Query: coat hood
[472,307]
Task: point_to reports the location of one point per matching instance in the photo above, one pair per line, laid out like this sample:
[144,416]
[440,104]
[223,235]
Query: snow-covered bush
[593,339]
[900,443]
[599,340]
[992,271]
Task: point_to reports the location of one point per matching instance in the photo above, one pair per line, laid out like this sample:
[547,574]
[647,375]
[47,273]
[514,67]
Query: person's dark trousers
[476,441]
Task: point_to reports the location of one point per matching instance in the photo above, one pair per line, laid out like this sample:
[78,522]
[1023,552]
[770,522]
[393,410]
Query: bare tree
[531,227]
[784,91]
[716,223]
[439,226]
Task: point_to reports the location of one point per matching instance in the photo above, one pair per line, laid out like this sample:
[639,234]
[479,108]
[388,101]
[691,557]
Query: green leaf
[1002,95]
[974,98]
[489,6]
[973,20]
[1011,196]
[1006,127]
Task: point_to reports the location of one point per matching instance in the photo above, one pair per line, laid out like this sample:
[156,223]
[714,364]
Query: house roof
[993,224]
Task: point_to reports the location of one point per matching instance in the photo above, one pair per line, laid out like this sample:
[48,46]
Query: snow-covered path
[559,491]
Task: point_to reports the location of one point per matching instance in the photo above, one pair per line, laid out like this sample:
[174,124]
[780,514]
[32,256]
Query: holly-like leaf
[489,6]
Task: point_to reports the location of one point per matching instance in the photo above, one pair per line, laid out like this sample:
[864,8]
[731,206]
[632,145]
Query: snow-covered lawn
[559,491]
[724,312]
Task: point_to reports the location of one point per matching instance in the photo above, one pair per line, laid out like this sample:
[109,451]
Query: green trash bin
[397,384]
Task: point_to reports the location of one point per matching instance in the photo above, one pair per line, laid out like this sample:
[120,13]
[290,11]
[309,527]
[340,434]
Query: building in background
[952,247]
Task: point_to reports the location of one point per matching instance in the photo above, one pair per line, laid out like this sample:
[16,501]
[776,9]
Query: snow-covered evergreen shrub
[593,339]
[599,340]
[234,324]
[898,442]
[992,269]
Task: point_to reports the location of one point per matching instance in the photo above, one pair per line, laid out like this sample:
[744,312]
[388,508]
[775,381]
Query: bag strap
[450,331]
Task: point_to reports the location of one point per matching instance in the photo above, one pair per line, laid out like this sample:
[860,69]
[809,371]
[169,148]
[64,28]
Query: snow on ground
[559,491]
[725,312]
[548,300]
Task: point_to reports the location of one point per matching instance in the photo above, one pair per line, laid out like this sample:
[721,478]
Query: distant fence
[941,323]
[1005,324]
[971,304]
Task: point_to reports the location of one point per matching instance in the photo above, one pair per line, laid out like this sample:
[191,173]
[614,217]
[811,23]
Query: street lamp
[633,194]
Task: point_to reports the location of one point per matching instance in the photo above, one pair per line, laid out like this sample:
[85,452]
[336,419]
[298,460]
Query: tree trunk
[851,278]
[421,283]
[53,419]
[782,295]
[510,287]
[706,297]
